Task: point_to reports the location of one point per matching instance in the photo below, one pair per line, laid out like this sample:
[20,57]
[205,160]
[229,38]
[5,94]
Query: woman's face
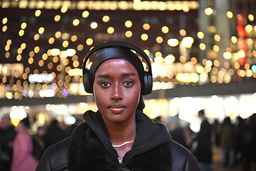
[116,91]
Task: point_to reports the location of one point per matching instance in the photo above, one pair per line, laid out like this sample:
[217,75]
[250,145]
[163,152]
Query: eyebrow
[107,75]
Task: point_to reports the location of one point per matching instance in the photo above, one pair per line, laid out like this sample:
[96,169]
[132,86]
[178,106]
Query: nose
[117,92]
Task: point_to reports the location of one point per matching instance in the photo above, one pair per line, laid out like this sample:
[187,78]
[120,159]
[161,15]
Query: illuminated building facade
[204,47]
[44,43]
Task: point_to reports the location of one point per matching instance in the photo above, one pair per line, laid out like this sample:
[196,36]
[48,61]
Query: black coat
[90,149]
[204,147]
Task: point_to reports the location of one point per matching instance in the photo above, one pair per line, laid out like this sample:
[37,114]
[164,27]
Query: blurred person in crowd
[7,135]
[239,134]
[38,142]
[250,144]
[227,143]
[55,132]
[178,132]
[203,138]
[216,130]
[119,136]
[23,160]
[79,121]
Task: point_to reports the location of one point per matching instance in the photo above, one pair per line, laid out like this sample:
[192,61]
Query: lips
[117,109]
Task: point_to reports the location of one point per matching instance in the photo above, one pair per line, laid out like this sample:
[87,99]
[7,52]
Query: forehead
[116,66]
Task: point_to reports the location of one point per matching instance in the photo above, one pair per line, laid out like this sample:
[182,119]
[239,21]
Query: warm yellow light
[41,63]
[65,43]
[23,25]
[7,48]
[128,24]
[71,52]
[202,46]
[80,47]
[169,59]
[76,64]
[241,54]
[21,33]
[216,48]
[57,18]
[146,26]
[165,29]
[248,28]
[55,52]
[208,63]
[200,35]
[159,39]
[110,30]
[76,22]
[75,71]
[105,18]
[85,14]
[217,37]
[173,42]
[36,49]
[216,63]
[23,46]
[51,40]
[30,60]
[211,29]
[55,59]
[58,34]
[144,37]
[183,32]
[74,38]
[208,11]
[38,13]
[227,55]
[187,42]
[41,30]
[230,14]
[94,25]
[128,33]
[89,41]
[5,20]
[251,17]
[234,39]
[159,59]
[19,57]
[4,28]
[64,9]
[44,56]
[9,42]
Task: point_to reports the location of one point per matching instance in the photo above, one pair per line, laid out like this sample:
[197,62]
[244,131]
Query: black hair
[25,122]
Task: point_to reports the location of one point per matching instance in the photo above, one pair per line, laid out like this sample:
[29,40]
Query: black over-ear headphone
[148,80]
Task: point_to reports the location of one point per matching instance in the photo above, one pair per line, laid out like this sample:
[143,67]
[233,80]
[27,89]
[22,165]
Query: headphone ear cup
[86,81]
[148,84]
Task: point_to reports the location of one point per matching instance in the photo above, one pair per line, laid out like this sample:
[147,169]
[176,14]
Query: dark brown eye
[105,84]
[128,83]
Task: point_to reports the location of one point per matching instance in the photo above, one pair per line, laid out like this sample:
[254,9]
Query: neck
[120,134]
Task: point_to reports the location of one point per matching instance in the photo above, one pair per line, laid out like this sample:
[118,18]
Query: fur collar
[86,152]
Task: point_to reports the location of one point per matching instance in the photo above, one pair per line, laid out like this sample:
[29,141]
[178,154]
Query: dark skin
[117,90]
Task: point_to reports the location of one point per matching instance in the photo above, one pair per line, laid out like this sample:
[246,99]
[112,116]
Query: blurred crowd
[21,149]
[236,140]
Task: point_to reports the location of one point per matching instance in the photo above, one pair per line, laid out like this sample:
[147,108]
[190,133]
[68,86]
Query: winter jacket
[90,149]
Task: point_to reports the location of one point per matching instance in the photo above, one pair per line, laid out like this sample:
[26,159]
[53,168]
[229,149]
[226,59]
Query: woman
[118,136]
[23,159]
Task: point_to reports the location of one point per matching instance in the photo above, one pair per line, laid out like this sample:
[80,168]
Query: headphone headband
[116,44]
[148,80]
